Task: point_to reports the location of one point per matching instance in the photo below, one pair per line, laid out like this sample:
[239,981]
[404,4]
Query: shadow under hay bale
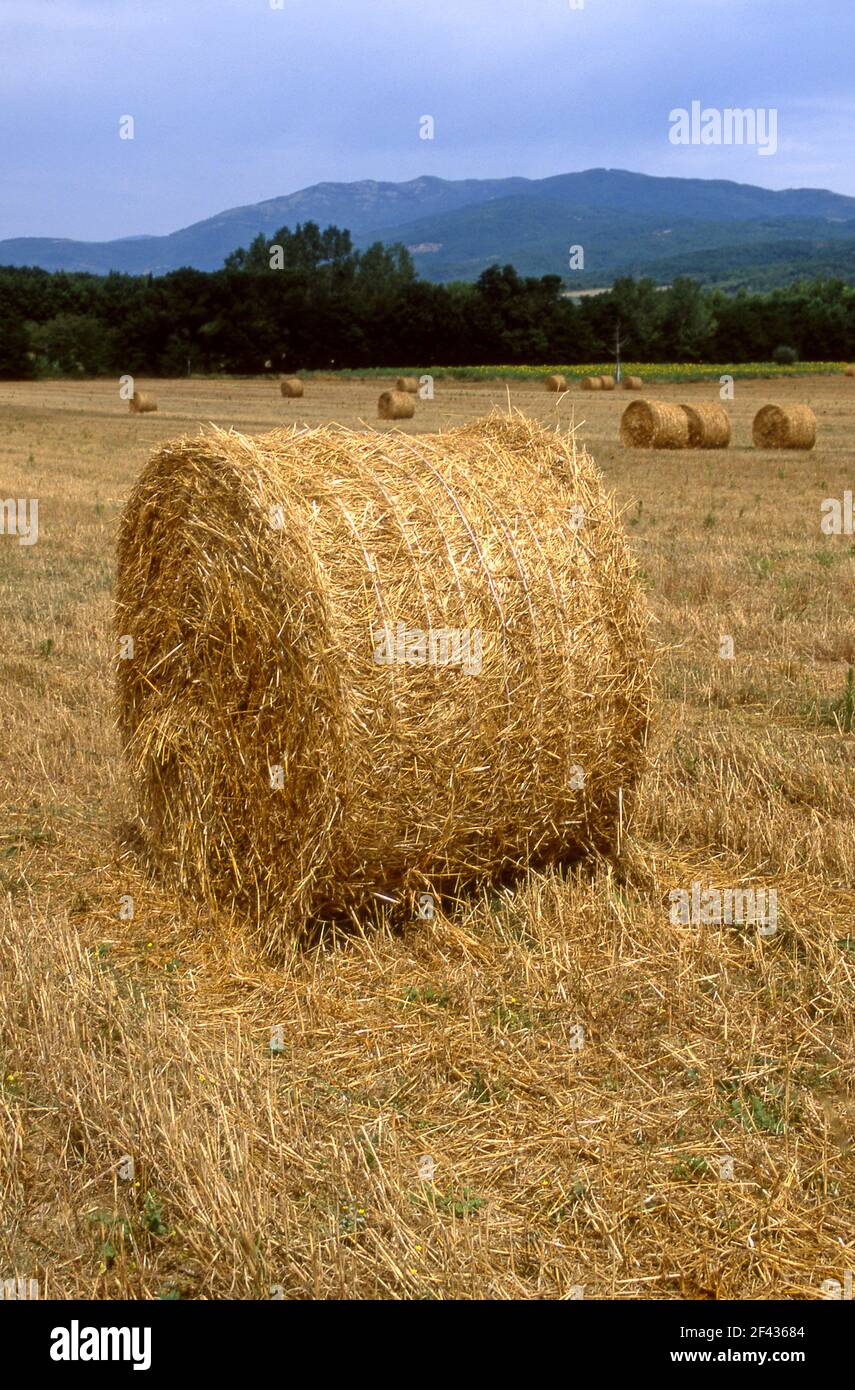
[709,426]
[396,405]
[142,403]
[591,383]
[368,663]
[784,427]
[291,386]
[633,383]
[408,384]
[654,425]
[556,383]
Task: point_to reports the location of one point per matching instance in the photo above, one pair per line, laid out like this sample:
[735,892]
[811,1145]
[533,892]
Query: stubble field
[550,1091]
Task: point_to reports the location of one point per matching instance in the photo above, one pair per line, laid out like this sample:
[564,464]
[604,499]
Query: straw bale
[396,405]
[709,426]
[371,664]
[784,427]
[654,425]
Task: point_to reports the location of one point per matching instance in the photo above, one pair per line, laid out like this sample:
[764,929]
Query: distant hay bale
[141,403]
[850,371]
[709,426]
[784,427]
[608,383]
[396,405]
[409,384]
[633,383]
[654,425]
[291,386]
[592,383]
[556,383]
[371,664]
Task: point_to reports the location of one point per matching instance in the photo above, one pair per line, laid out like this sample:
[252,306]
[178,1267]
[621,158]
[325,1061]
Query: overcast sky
[235,101]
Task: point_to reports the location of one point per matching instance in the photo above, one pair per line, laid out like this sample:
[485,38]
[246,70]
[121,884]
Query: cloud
[235,102]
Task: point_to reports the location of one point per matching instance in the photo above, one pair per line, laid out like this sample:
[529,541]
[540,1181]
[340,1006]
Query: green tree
[15,356]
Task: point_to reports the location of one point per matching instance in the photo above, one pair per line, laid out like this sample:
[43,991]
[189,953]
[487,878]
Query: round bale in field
[396,405]
[709,426]
[633,383]
[409,384]
[850,371]
[654,425]
[592,383]
[141,403]
[608,383]
[371,665]
[556,383]
[784,427]
[291,386]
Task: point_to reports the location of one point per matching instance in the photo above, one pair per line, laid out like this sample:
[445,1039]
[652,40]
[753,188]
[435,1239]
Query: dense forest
[307,300]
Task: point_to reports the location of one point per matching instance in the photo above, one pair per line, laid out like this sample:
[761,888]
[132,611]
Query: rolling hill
[736,235]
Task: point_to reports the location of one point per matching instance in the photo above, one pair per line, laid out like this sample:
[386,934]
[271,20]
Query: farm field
[550,1088]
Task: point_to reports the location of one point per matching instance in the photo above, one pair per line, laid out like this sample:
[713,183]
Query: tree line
[308,300]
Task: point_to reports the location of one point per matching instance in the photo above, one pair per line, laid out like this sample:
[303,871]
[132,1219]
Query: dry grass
[553,1166]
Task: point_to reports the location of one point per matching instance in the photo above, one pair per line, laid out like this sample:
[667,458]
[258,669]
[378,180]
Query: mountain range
[728,234]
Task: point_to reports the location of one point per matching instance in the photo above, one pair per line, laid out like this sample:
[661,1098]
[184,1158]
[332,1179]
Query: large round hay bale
[784,427]
[592,383]
[654,425]
[409,384]
[608,383]
[141,403]
[633,383]
[371,664]
[556,383]
[291,386]
[709,426]
[396,405]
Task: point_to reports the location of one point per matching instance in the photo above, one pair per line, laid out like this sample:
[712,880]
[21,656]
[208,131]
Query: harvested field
[550,1084]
